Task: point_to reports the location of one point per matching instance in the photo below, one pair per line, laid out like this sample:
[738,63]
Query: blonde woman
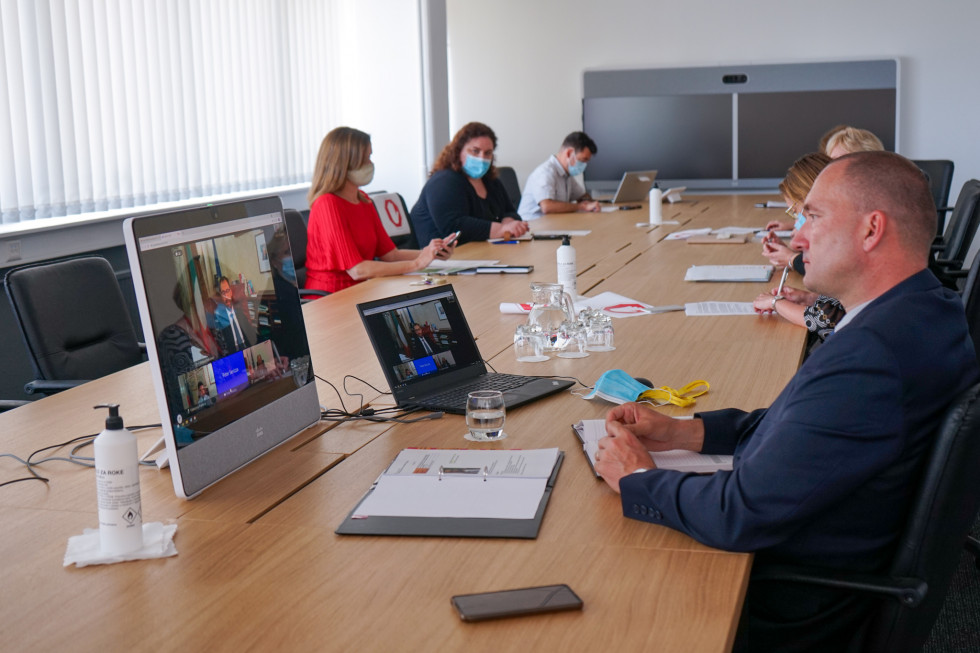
[346,241]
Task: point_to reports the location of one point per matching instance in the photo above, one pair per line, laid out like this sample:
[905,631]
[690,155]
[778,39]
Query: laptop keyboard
[457,396]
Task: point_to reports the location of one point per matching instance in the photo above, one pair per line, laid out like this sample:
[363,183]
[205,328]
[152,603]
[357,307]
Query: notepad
[757,273]
[590,431]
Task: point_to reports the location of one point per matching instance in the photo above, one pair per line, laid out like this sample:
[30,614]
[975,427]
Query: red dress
[341,235]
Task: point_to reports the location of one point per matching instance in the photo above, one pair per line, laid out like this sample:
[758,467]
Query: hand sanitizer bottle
[567,270]
[118,483]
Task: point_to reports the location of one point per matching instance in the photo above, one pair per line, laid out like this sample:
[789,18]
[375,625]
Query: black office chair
[508,178]
[74,322]
[940,174]
[950,253]
[942,512]
[296,232]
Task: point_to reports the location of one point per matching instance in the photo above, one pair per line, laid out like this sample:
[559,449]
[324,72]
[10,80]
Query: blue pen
[506,242]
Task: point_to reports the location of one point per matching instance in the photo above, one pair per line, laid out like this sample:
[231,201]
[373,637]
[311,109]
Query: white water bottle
[656,206]
[567,270]
[117,481]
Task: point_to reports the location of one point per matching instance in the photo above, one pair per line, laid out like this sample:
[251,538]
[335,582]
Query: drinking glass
[575,337]
[485,415]
[529,344]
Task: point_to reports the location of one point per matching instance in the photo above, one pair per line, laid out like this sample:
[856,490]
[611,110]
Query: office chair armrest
[910,592]
[50,387]
[949,262]
[142,346]
[309,294]
[10,404]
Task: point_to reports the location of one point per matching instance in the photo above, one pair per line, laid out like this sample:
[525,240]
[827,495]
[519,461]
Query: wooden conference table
[259,564]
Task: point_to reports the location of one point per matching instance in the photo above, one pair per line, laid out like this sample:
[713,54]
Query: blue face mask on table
[577,168]
[618,387]
[476,167]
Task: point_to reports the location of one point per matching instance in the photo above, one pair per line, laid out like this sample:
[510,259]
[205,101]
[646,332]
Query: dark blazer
[449,203]
[824,475]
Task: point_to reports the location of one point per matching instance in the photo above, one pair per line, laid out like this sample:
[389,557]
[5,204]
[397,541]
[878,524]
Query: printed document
[590,431]
[462,483]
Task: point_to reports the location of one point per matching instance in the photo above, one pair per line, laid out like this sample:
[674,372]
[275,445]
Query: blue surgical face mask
[618,387]
[476,167]
[800,221]
[576,168]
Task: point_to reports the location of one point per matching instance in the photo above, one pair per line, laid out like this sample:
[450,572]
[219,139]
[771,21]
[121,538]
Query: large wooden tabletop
[259,564]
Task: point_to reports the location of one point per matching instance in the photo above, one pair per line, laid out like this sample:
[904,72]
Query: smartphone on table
[512,603]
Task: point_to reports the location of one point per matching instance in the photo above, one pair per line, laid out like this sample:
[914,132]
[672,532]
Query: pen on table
[782,280]
[505,242]
[547,236]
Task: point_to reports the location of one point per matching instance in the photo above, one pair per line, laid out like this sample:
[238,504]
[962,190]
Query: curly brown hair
[449,158]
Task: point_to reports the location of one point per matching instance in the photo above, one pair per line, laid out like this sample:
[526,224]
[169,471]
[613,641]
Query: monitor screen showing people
[227,322]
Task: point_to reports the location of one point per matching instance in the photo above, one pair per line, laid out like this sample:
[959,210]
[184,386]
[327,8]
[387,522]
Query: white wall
[517,64]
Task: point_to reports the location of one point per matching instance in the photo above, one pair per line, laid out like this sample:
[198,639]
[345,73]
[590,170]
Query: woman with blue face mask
[346,241]
[818,313]
[463,193]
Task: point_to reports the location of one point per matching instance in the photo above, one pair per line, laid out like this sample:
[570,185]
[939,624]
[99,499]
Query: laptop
[430,358]
[633,187]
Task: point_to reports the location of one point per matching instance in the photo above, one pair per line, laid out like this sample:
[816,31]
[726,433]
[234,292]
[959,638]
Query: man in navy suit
[824,476]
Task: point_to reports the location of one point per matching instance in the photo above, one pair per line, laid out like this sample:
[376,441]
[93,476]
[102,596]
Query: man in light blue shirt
[553,187]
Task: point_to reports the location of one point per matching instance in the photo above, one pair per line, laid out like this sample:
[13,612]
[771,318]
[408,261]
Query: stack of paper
[590,431]
[758,273]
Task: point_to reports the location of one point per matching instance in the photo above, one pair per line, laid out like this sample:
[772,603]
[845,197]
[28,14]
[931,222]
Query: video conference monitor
[225,335]
[730,127]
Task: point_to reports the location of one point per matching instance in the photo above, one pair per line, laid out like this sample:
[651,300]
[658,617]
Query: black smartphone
[512,603]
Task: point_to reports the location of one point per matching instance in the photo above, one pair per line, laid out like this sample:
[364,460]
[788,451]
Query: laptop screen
[420,337]
[224,313]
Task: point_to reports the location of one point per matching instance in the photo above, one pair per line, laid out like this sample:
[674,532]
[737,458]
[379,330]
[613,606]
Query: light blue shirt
[549,181]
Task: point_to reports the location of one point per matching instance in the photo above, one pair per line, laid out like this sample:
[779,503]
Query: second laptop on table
[430,358]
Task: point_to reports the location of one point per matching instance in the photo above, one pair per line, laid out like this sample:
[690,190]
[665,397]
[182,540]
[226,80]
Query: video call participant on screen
[824,476]
[420,343]
[463,193]
[818,313]
[346,241]
[554,187]
[230,320]
[204,400]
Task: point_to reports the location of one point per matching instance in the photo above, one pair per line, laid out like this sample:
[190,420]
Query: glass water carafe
[551,306]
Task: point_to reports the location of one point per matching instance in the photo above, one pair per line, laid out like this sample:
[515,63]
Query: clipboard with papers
[458,493]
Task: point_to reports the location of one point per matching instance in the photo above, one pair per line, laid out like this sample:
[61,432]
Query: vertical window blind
[108,104]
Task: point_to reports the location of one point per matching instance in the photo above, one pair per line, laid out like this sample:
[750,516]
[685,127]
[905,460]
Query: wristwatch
[641,469]
[776,299]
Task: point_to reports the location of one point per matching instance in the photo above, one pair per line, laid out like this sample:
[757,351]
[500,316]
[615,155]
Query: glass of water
[485,415]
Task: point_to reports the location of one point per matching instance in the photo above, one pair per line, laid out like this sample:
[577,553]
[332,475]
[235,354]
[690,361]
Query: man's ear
[874,225]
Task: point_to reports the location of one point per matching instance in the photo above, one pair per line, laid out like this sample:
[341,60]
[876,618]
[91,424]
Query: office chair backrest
[296,232]
[962,225]
[508,178]
[394,216]
[940,174]
[971,302]
[73,319]
[941,515]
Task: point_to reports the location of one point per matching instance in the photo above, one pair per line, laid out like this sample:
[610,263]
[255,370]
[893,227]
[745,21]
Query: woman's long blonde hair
[801,175]
[342,150]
